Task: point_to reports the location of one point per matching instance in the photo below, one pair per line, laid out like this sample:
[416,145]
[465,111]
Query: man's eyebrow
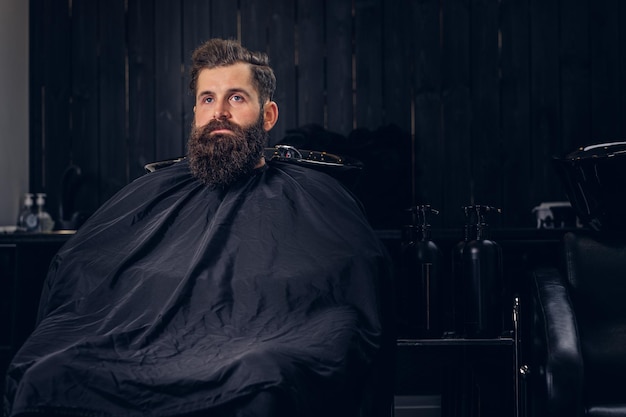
[230,91]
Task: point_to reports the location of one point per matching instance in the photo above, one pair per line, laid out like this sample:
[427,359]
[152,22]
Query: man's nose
[221,111]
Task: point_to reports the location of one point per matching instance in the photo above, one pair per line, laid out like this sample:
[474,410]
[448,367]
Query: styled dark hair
[220,53]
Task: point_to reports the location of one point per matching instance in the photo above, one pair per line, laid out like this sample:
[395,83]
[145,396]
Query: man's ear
[270,115]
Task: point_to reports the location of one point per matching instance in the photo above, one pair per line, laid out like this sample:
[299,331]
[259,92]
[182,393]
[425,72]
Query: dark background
[448,102]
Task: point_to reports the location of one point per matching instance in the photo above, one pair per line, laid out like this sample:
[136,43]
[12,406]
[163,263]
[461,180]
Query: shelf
[54,238]
[500,341]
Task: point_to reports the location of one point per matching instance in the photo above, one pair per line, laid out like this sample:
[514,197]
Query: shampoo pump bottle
[459,271]
[46,224]
[28,220]
[483,280]
[422,263]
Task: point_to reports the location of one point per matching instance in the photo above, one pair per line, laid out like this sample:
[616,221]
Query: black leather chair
[578,330]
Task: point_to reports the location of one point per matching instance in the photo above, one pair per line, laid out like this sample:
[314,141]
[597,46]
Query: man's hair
[221,53]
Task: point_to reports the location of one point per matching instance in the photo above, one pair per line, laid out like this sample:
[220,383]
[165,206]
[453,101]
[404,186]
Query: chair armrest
[556,356]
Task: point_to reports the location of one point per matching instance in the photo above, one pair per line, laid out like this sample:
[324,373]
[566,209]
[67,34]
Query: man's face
[226,93]
[230,128]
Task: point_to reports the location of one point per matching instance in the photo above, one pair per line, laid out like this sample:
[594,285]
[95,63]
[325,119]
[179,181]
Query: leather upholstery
[578,354]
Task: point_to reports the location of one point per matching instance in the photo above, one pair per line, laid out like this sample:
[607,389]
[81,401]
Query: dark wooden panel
[486,145]
[515,113]
[196,14]
[224,22]
[397,60]
[169,78]
[622,64]
[85,110]
[339,104]
[113,146]
[605,71]
[368,61]
[575,75]
[36,80]
[255,19]
[141,86]
[282,57]
[310,63]
[455,152]
[426,105]
[544,97]
[54,144]
[390,164]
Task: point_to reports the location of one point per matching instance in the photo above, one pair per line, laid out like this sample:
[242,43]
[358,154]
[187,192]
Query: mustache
[218,124]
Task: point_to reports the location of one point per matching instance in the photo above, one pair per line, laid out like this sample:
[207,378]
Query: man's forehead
[231,75]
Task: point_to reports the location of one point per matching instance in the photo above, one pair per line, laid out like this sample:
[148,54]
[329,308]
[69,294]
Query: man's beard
[221,159]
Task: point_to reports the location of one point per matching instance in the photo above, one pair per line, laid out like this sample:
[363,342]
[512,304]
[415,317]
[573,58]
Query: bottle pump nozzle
[420,218]
[482,226]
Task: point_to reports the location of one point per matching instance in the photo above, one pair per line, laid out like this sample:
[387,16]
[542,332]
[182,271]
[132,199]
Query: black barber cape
[173,298]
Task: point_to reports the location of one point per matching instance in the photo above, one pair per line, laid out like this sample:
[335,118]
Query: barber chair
[578,353]
[578,329]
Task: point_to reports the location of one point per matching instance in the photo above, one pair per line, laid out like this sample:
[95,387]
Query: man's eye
[208,100]
[236,98]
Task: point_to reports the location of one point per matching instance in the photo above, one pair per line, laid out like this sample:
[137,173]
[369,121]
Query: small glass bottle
[28,220]
[46,224]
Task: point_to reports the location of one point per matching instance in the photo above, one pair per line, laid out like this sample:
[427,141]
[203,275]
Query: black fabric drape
[173,298]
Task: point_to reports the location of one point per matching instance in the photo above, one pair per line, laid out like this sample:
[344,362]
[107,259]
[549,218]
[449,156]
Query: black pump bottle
[481,269]
[421,268]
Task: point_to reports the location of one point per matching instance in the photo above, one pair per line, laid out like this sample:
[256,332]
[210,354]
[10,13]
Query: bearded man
[233,112]
[221,285]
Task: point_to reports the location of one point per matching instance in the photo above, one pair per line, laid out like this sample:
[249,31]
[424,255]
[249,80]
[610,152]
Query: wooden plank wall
[448,103]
